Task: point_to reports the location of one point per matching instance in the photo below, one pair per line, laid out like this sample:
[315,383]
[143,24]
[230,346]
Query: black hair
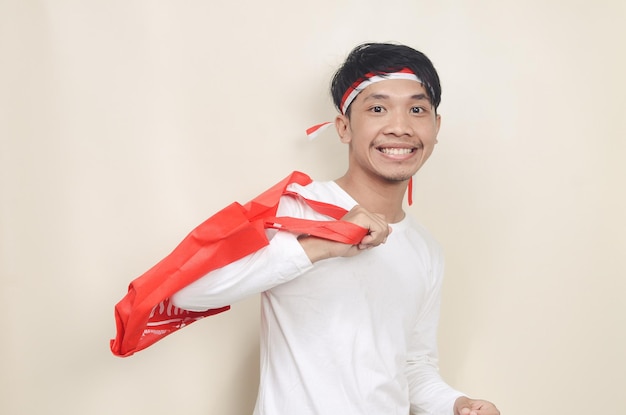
[381,58]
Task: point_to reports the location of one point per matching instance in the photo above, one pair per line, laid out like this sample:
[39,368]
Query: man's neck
[376,195]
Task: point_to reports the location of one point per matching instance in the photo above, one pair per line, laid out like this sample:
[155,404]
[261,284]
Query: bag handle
[337,230]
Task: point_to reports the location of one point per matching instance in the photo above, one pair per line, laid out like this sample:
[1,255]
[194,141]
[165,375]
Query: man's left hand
[467,406]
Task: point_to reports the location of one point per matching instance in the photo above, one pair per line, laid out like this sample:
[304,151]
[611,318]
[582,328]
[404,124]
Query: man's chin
[398,178]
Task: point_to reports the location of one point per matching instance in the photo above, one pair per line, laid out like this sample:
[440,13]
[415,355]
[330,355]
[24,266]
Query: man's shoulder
[418,232]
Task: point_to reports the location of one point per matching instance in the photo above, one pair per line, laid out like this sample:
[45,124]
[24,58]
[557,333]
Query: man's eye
[377,108]
[417,110]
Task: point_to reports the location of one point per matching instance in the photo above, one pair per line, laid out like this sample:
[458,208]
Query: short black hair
[381,58]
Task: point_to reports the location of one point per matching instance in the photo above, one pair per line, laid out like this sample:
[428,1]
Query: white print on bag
[165,310]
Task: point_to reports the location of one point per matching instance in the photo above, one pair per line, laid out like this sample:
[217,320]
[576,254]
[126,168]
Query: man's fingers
[378,228]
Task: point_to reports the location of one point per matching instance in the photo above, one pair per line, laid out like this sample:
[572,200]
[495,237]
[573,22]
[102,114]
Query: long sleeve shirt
[351,336]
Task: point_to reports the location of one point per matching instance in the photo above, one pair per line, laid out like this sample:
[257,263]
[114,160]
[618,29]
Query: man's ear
[438,124]
[342,124]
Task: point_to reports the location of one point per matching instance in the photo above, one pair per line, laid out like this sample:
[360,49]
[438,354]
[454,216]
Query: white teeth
[396,151]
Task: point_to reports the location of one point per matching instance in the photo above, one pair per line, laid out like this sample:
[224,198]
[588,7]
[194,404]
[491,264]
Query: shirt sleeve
[280,261]
[429,393]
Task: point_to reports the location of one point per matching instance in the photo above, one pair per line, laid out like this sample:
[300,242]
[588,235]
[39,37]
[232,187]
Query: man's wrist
[315,248]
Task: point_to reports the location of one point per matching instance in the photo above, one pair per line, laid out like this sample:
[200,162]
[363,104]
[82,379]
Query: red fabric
[145,315]
[312,132]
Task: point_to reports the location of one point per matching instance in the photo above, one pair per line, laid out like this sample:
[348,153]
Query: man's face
[392,130]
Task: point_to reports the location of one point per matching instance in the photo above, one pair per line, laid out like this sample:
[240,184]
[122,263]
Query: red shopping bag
[146,315]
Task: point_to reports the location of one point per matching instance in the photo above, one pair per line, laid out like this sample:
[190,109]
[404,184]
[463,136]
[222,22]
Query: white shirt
[349,336]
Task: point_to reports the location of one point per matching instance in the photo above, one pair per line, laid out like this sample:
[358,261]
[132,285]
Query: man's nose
[399,124]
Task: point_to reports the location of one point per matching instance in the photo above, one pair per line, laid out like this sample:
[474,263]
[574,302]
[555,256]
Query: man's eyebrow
[419,97]
[376,96]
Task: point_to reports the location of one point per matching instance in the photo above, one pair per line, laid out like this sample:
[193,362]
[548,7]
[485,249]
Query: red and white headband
[371,78]
[356,88]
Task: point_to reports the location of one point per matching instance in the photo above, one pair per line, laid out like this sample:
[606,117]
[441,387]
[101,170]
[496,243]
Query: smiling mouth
[394,151]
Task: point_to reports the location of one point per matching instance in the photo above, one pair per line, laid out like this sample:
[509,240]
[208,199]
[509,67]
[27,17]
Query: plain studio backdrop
[124,124]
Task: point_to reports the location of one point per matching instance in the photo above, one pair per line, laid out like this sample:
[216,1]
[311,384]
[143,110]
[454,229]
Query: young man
[351,329]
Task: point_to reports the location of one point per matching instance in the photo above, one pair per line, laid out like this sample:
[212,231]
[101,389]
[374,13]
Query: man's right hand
[318,248]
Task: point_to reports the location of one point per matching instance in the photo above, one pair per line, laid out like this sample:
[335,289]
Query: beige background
[124,124]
